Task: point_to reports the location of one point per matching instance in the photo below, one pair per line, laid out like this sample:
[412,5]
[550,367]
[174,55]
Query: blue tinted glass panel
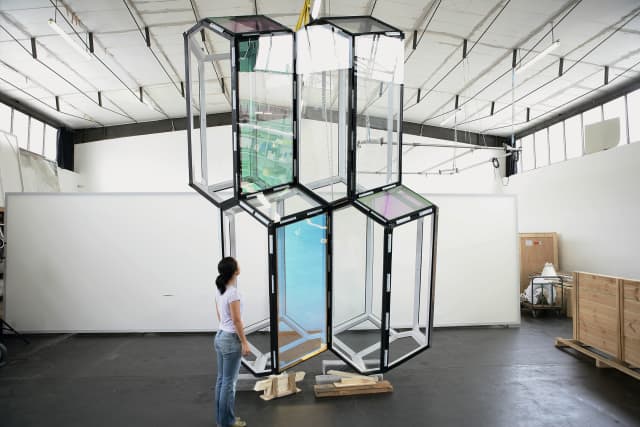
[302,288]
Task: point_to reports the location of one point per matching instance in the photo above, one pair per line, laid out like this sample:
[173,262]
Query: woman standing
[230,342]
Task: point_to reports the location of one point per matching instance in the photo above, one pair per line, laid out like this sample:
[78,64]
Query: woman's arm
[217,313]
[237,322]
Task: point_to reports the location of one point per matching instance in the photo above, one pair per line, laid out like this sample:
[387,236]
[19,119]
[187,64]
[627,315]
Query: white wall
[593,202]
[146,262]
[158,163]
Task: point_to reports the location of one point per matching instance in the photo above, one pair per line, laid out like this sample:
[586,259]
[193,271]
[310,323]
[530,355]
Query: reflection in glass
[323,62]
[357,288]
[265,85]
[379,66]
[396,202]
[302,288]
[410,297]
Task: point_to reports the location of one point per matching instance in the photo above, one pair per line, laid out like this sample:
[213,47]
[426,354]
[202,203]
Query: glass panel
[519,145]
[282,203]
[357,280]
[248,24]
[20,128]
[542,148]
[302,289]
[556,143]
[616,109]
[5,118]
[265,85]
[360,25]
[411,268]
[396,202]
[379,73]
[633,105]
[51,143]
[38,174]
[247,241]
[573,137]
[36,136]
[211,155]
[323,108]
[528,156]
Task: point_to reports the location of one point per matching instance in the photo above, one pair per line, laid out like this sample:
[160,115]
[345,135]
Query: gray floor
[478,377]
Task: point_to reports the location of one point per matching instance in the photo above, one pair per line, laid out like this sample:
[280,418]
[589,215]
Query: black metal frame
[234,41]
[243,200]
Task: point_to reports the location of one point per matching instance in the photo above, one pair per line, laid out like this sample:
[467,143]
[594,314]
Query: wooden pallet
[351,384]
[601,361]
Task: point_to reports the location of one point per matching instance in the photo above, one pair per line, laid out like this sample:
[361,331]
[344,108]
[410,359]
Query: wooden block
[329,390]
[601,364]
[348,382]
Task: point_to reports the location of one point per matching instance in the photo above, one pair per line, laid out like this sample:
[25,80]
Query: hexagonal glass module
[372,328]
[377,57]
[323,65]
[245,63]
[280,239]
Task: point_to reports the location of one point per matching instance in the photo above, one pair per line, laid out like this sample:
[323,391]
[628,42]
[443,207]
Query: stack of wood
[340,383]
[279,385]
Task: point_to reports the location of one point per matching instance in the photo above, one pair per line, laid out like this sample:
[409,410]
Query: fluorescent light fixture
[53,24]
[315,9]
[553,46]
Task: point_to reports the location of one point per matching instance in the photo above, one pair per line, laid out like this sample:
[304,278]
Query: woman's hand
[245,348]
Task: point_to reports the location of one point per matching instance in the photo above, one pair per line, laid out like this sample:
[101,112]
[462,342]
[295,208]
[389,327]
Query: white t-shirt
[223,301]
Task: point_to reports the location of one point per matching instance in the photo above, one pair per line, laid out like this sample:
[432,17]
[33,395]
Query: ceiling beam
[26,109]
[222,119]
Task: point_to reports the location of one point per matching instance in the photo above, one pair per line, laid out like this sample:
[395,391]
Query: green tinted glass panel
[265,89]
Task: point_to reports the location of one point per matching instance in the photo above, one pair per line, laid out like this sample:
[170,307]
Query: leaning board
[127,262]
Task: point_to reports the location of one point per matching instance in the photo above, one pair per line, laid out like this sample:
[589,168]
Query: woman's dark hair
[227,267]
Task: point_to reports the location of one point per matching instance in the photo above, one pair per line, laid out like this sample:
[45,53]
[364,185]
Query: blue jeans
[229,353]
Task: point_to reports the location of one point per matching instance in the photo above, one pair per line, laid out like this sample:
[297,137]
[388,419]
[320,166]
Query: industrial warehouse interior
[319,213]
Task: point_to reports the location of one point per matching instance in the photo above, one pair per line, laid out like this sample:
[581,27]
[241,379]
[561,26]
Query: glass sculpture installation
[335,252]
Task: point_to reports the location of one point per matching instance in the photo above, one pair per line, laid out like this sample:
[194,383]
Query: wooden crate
[596,320]
[630,320]
[535,250]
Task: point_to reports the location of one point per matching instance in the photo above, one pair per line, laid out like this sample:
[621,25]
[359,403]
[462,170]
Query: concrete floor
[471,377]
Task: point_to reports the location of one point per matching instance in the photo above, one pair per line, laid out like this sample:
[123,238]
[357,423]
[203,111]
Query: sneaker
[239,423]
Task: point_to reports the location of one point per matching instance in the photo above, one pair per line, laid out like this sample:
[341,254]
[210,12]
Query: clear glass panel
[360,25]
[211,155]
[556,143]
[323,109]
[39,175]
[379,73]
[302,289]
[411,268]
[357,288]
[616,110]
[573,137]
[542,148]
[265,85]
[282,203]
[633,105]
[528,156]
[248,24]
[21,128]
[519,145]
[5,117]
[396,202]
[247,241]
[36,136]
[51,143]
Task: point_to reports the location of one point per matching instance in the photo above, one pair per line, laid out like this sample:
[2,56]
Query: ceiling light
[315,9]
[538,57]
[53,24]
